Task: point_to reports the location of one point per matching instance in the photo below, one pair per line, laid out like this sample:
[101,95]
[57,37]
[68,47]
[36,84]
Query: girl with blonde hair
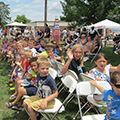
[75,61]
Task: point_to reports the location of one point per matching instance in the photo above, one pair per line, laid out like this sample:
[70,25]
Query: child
[111,97]
[53,59]
[96,44]
[47,90]
[5,48]
[31,47]
[75,61]
[102,72]
[22,64]
[19,81]
[27,90]
[55,46]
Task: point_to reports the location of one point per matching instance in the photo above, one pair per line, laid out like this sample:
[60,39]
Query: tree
[22,19]
[85,12]
[4,13]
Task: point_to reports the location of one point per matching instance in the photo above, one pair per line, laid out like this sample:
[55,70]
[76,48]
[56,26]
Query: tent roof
[106,24]
[16,24]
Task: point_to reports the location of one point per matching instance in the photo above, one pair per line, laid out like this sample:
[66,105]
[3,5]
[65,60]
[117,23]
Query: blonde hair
[19,42]
[43,60]
[28,53]
[73,51]
[48,44]
[21,50]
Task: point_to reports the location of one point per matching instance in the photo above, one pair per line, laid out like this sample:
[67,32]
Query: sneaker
[11,81]
[115,52]
[12,84]
[39,116]
[12,88]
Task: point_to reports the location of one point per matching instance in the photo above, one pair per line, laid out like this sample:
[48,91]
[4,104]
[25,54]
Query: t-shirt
[93,33]
[44,53]
[45,85]
[47,30]
[33,50]
[102,76]
[40,49]
[56,52]
[64,33]
[113,105]
[75,66]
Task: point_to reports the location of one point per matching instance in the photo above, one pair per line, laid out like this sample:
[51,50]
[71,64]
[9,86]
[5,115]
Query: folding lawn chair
[53,72]
[94,54]
[71,73]
[59,107]
[85,88]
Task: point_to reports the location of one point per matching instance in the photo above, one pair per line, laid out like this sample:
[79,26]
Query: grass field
[5,93]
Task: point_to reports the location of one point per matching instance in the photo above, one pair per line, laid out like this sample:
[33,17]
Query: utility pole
[45,20]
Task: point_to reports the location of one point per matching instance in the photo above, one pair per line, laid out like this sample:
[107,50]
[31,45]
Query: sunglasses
[117,86]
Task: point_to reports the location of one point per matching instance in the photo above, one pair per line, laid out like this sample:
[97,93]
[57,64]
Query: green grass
[8,114]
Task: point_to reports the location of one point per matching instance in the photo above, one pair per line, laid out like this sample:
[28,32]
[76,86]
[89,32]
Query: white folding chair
[53,72]
[85,88]
[71,73]
[94,54]
[59,107]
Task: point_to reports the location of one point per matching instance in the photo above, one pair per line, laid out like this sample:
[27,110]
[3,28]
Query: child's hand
[93,82]
[70,54]
[60,48]
[97,79]
[17,63]
[43,105]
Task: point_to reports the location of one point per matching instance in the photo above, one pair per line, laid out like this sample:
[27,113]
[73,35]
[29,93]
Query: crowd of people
[31,56]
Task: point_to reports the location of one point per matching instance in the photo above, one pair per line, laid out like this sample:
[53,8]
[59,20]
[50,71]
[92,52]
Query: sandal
[18,108]
[12,97]
[9,105]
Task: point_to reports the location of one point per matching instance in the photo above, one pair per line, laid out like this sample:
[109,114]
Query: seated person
[55,46]
[83,41]
[89,46]
[96,44]
[26,90]
[68,42]
[47,90]
[75,61]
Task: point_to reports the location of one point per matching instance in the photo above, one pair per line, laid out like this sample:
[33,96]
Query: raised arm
[114,68]
[70,57]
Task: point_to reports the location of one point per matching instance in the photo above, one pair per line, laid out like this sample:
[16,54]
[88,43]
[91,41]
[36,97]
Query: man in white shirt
[25,31]
[64,32]
[72,32]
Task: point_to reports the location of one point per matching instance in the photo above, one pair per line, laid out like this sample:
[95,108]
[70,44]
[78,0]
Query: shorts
[46,40]
[35,102]
[30,90]
[25,81]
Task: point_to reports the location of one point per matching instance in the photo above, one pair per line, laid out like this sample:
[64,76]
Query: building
[40,24]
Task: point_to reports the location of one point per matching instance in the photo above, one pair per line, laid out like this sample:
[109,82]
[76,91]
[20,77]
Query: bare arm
[113,68]
[43,105]
[70,57]
[94,83]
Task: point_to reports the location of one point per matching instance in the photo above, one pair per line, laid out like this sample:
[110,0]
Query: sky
[34,9]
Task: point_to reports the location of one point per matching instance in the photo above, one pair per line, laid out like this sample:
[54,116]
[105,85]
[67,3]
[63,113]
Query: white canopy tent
[106,24]
[16,24]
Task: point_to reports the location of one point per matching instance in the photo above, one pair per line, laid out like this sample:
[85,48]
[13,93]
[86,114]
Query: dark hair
[100,55]
[115,77]
[33,59]
[46,24]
